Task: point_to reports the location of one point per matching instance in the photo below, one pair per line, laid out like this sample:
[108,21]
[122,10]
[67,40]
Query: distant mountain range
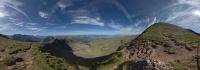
[27,38]
[32,38]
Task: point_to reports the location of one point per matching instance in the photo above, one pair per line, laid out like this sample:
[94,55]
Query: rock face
[148,64]
[145,59]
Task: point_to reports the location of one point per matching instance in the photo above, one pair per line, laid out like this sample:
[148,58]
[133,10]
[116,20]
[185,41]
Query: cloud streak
[43,14]
[64,4]
[127,30]
[87,20]
[123,9]
[14,5]
[185,14]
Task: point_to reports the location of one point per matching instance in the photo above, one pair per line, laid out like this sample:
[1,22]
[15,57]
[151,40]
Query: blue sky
[85,17]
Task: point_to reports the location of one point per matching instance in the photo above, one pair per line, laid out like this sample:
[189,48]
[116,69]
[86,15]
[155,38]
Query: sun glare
[197,13]
[2,14]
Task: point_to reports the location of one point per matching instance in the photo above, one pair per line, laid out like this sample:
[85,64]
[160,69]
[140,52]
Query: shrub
[154,46]
[188,48]
[167,45]
[9,60]
[169,50]
[45,61]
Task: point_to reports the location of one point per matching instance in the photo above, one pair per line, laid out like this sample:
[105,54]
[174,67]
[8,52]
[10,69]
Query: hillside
[94,48]
[160,31]
[168,46]
[15,55]
[58,54]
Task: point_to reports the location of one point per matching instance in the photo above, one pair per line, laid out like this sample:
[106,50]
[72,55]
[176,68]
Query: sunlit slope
[170,46]
[100,47]
[158,32]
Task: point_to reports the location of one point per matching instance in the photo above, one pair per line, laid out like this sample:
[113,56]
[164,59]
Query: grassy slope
[45,61]
[13,46]
[10,47]
[99,47]
[181,35]
[179,60]
[38,60]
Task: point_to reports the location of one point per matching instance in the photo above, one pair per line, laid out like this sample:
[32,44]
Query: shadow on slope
[60,48]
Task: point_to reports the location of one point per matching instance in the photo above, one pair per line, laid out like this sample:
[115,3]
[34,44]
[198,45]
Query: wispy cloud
[19,24]
[155,20]
[14,4]
[131,29]
[185,13]
[138,27]
[194,3]
[7,17]
[86,32]
[123,9]
[64,4]
[43,14]
[4,27]
[35,29]
[87,20]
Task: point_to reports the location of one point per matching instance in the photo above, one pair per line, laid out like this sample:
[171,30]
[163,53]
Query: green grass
[44,61]
[41,60]
[9,60]
[111,65]
[156,34]
[13,46]
[101,47]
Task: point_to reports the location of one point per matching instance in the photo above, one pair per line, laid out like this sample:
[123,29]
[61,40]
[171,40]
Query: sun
[2,14]
[197,13]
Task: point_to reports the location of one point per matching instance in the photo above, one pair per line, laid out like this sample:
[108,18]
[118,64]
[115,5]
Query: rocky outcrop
[143,54]
[139,51]
[148,64]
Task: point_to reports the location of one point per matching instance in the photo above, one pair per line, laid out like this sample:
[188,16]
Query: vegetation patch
[9,60]
[170,50]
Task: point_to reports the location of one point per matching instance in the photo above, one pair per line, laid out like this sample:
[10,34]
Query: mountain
[193,32]
[83,38]
[166,46]
[4,36]
[162,46]
[48,39]
[27,38]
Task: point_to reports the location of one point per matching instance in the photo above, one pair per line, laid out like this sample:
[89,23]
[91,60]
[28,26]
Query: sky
[95,17]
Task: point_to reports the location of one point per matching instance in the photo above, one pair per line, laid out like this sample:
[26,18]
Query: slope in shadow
[60,48]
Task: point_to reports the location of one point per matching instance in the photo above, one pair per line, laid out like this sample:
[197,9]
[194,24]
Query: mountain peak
[158,31]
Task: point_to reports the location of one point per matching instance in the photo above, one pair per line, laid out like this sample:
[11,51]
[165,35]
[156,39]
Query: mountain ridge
[165,44]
